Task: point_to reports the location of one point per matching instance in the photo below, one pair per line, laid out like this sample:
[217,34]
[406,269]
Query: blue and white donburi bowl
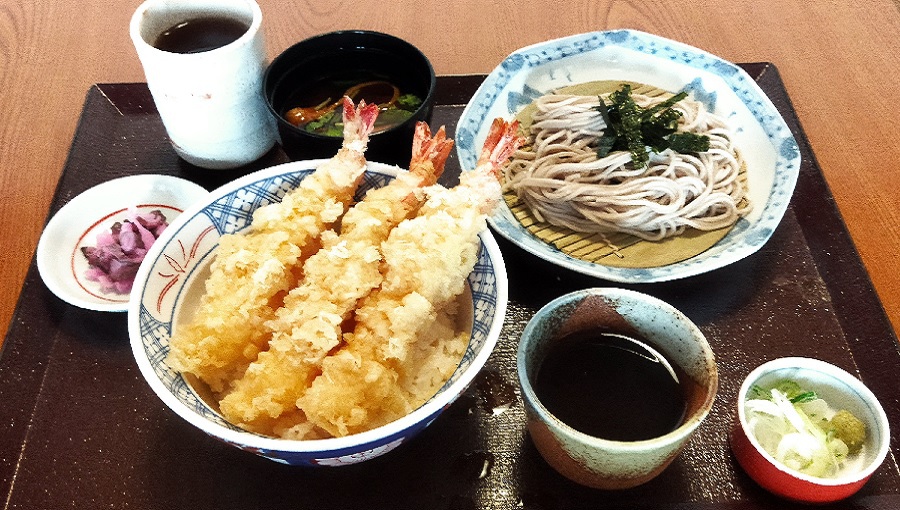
[179,258]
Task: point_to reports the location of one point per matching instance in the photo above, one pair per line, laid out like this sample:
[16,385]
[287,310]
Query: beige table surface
[839,60]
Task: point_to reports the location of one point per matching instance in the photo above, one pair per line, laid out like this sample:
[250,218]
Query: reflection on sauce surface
[611,386]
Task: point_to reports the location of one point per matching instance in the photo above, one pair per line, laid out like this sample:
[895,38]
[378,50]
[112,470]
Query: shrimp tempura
[308,326]
[253,270]
[428,259]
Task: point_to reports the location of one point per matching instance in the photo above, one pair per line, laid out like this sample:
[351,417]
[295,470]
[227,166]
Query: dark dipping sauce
[200,34]
[611,386]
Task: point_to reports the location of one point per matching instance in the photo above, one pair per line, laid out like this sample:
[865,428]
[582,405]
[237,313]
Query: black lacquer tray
[79,428]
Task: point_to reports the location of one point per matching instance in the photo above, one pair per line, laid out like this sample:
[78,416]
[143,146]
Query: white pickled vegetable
[793,427]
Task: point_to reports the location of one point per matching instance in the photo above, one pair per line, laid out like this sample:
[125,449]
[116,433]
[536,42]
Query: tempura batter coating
[252,270]
[347,267]
[427,260]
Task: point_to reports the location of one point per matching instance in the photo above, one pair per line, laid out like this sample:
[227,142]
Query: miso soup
[317,107]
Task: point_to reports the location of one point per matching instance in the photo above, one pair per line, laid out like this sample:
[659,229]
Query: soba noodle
[563,182]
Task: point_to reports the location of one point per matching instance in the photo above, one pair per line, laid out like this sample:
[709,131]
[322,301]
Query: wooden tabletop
[838,59]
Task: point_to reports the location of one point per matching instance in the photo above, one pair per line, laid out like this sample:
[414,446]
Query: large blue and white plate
[763,137]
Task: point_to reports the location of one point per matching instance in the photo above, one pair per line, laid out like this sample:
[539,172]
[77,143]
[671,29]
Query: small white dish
[763,137]
[59,258]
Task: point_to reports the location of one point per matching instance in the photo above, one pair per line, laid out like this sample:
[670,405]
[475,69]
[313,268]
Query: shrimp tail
[483,182]
[253,270]
[429,154]
[502,141]
[359,121]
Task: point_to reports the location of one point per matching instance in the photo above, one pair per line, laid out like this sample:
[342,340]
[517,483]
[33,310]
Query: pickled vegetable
[802,431]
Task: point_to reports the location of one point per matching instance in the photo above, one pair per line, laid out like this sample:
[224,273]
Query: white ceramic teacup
[603,463]
[210,102]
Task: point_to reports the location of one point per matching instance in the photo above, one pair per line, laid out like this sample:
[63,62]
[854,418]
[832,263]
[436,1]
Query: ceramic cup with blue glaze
[595,461]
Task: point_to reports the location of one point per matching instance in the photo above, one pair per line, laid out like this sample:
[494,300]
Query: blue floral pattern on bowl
[176,264]
[766,142]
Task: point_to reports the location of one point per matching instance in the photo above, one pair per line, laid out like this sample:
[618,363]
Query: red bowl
[842,391]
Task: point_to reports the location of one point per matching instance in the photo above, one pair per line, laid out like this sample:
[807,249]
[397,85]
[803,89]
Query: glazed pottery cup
[211,102]
[603,463]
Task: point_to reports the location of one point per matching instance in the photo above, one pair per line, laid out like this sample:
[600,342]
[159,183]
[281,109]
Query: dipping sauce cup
[204,62]
[639,337]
